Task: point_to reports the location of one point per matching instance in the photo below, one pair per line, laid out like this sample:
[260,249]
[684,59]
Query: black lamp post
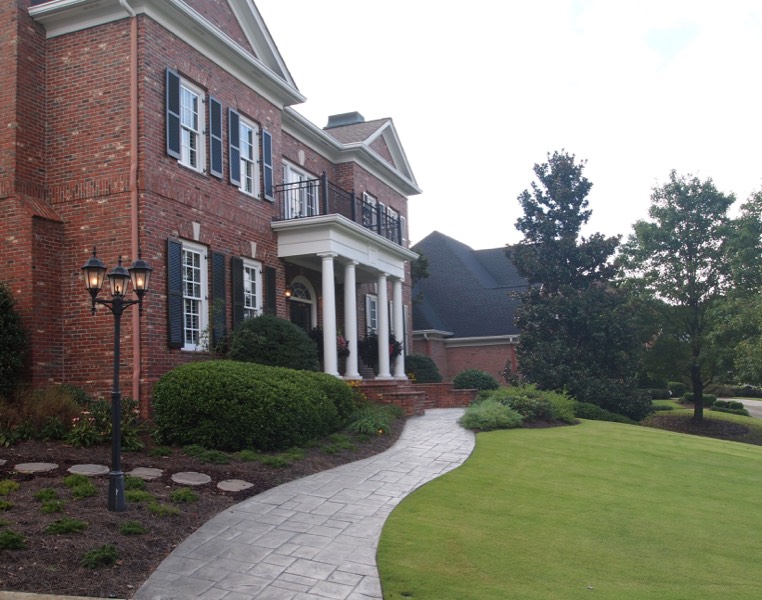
[119,277]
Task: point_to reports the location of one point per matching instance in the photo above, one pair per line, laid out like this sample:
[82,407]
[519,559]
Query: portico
[346,252]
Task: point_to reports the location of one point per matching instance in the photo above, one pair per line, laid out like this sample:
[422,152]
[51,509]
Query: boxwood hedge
[228,405]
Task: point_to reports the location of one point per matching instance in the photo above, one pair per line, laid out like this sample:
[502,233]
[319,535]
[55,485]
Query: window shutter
[215,137]
[173,113]
[382,219]
[219,305]
[175,293]
[267,163]
[236,284]
[270,283]
[234,146]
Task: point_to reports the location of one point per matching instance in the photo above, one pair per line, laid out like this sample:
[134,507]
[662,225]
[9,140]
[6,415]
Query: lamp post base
[116,491]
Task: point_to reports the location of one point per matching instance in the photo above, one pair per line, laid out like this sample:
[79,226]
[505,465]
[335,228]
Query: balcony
[316,197]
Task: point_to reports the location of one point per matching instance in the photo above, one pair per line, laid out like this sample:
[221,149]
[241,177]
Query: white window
[369,211]
[192,124]
[392,227]
[301,193]
[252,289]
[195,296]
[371,313]
[249,140]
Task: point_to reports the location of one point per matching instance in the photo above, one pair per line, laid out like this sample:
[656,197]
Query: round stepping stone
[89,470]
[191,478]
[2,461]
[35,467]
[234,485]
[146,473]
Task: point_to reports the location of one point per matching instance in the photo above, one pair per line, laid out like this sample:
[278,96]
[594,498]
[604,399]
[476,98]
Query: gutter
[134,197]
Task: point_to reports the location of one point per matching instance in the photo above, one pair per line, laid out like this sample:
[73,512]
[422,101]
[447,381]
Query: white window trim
[256,266]
[372,201]
[200,132]
[203,299]
[253,160]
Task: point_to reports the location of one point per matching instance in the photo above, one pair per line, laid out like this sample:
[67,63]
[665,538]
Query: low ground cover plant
[730,406]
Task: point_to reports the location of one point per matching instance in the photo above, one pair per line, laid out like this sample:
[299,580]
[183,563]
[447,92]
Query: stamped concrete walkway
[314,538]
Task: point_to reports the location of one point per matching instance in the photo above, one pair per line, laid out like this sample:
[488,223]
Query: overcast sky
[481,90]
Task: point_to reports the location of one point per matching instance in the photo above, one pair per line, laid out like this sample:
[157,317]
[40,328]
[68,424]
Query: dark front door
[301,314]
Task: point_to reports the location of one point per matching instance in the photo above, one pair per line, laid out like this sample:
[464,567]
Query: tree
[13,344]
[682,256]
[577,330]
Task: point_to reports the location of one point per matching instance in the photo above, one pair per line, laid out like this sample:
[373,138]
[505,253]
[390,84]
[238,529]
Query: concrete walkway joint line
[313,538]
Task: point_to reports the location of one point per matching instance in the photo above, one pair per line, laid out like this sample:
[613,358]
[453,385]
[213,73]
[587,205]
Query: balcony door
[301,193]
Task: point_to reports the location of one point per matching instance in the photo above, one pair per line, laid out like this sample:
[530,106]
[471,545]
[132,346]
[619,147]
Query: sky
[482,90]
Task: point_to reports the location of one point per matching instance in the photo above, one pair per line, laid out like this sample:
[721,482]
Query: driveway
[753,406]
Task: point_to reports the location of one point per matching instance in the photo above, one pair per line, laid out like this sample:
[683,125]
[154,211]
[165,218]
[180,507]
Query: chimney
[350,118]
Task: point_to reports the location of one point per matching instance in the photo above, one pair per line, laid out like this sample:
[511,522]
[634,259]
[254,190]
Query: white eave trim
[311,135]
[435,333]
[494,340]
[355,230]
[60,17]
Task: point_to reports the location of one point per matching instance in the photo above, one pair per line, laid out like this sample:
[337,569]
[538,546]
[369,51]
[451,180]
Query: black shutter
[173,113]
[215,137]
[236,283]
[219,304]
[267,163]
[175,293]
[270,283]
[234,146]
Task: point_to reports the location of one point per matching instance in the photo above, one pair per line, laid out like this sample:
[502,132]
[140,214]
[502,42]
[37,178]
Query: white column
[399,327]
[350,319]
[330,360]
[383,329]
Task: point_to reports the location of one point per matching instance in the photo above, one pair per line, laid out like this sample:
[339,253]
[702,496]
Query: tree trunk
[698,392]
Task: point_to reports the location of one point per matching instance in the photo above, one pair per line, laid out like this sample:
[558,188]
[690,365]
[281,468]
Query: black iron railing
[313,197]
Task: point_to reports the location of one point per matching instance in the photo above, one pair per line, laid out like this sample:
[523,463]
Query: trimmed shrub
[730,406]
[659,394]
[490,414]
[230,406]
[593,412]
[533,404]
[422,368]
[13,343]
[338,391]
[474,379]
[270,340]
[708,399]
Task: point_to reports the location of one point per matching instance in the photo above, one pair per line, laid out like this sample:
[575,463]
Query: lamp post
[119,277]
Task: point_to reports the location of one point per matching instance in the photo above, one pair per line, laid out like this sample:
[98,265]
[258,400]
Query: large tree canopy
[552,252]
[578,332]
[683,256]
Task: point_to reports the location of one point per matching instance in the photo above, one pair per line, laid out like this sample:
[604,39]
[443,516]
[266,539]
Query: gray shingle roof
[468,291]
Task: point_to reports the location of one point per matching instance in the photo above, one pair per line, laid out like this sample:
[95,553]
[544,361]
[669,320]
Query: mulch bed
[714,428]
[51,563]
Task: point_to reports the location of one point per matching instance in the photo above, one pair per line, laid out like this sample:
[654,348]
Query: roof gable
[233,35]
[380,137]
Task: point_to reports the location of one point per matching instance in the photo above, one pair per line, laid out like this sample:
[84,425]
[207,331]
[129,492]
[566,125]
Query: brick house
[167,127]
[463,312]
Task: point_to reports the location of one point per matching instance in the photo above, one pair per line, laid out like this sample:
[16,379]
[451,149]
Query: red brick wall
[491,359]
[85,107]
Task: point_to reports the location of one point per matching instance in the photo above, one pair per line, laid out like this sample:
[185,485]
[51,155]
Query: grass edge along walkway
[618,511]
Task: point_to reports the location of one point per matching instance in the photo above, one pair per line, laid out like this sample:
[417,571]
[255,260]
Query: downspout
[135,244]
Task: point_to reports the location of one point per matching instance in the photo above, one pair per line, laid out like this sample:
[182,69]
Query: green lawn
[597,510]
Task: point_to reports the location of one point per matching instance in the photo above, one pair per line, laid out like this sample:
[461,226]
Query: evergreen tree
[578,332]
